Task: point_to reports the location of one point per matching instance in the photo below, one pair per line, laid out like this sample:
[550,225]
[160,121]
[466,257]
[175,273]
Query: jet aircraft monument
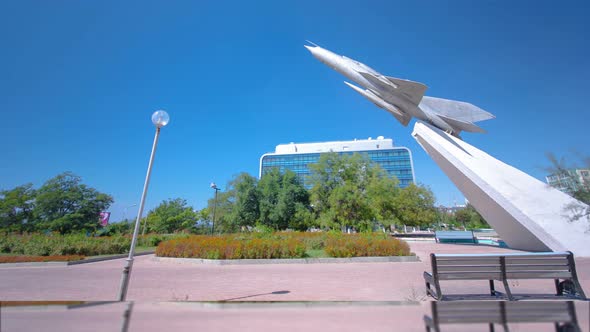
[402,98]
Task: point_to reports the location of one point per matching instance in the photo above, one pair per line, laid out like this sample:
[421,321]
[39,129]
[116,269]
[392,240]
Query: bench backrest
[453,235]
[489,266]
[503,312]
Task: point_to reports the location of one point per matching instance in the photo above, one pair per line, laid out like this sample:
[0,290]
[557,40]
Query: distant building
[570,181]
[395,160]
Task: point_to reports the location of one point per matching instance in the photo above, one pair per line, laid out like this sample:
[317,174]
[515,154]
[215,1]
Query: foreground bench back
[503,267]
[561,313]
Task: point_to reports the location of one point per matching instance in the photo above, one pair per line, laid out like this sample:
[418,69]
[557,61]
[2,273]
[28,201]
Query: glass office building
[395,160]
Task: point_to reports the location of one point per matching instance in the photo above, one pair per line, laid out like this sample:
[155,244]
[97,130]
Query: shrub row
[282,245]
[70,244]
[365,245]
[231,247]
[152,240]
[22,259]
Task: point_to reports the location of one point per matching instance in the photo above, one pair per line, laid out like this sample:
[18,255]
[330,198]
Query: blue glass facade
[396,162]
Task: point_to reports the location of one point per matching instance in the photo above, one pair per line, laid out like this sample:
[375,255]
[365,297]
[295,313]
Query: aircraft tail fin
[456,110]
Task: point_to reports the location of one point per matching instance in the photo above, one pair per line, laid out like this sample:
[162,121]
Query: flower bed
[282,245]
[364,245]
[231,247]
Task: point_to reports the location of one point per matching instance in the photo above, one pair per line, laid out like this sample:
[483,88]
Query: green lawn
[316,253]
[138,249]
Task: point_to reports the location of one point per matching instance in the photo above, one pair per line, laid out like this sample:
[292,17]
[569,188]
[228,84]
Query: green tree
[382,191]
[579,190]
[16,208]
[283,201]
[350,190]
[414,206]
[470,218]
[293,200]
[224,223]
[245,210]
[269,188]
[63,204]
[171,216]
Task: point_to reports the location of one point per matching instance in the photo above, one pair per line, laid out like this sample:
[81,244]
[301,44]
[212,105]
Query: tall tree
[171,216]
[414,206]
[64,204]
[350,190]
[283,200]
[16,208]
[245,211]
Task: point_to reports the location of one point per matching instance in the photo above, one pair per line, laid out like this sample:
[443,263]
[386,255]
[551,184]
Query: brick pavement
[153,282]
[164,281]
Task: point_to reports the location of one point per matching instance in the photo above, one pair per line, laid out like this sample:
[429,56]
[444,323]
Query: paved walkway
[165,281]
[153,282]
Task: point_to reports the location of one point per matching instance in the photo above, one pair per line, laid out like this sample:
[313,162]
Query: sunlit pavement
[385,296]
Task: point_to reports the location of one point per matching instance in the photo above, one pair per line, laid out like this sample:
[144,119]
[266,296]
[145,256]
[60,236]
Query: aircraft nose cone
[310,48]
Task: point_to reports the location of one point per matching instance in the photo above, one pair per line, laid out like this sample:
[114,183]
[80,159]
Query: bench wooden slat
[470,276]
[469,319]
[538,275]
[536,306]
[537,262]
[470,261]
[511,268]
[469,268]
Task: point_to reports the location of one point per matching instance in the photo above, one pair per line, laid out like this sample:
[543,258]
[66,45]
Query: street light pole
[159,119]
[214,187]
[125,211]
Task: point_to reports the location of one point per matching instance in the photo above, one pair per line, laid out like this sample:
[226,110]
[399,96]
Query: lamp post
[214,187]
[159,119]
[125,211]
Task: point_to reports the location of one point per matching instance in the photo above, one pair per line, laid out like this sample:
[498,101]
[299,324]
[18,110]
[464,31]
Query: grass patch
[316,253]
[27,259]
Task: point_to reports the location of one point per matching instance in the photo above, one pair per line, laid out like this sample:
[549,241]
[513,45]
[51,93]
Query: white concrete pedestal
[526,213]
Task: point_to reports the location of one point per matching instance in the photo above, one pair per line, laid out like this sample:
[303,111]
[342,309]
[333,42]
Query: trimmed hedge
[75,244]
[60,245]
[24,259]
[231,247]
[282,245]
[365,245]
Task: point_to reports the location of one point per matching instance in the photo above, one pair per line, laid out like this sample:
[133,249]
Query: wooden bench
[561,313]
[454,237]
[559,266]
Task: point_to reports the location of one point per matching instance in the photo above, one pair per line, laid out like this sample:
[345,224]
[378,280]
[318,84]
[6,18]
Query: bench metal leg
[558,289]
[507,288]
[430,281]
[504,281]
[492,288]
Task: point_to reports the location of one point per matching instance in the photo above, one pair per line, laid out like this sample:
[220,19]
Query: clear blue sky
[79,81]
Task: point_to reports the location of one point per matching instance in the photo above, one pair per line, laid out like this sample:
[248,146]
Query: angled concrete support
[526,213]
